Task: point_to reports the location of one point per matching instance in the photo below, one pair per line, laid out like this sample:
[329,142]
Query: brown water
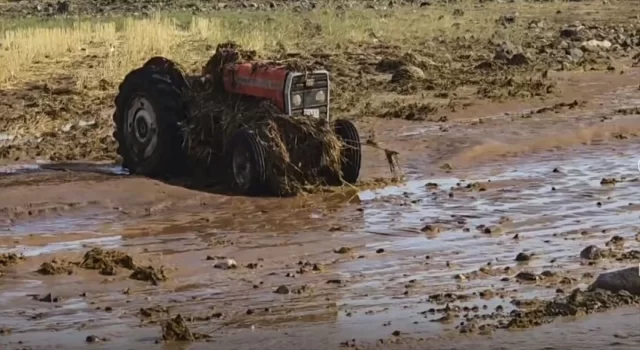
[381,285]
[516,199]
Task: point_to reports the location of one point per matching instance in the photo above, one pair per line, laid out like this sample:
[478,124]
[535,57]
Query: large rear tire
[149,108]
[351,152]
[246,163]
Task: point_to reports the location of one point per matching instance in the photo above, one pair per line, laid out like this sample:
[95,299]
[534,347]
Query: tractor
[151,109]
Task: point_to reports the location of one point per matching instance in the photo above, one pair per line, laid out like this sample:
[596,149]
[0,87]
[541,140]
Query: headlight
[296,100]
[320,97]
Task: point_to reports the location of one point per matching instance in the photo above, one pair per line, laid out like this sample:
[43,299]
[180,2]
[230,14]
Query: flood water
[406,242]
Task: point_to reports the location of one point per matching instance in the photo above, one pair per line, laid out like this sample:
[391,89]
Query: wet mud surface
[487,237]
[509,213]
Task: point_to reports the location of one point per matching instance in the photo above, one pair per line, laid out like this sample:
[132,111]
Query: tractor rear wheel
[247,163]
[149,109]
[351,153]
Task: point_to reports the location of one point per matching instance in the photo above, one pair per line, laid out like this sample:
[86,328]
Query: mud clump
[56,267]
[49,298]
[522,257]
[151,312]
[447,298]
[592,253]
[106,261]
[176,329]
[148,274]
[407,73]
[343,250]
[10,259]
[577,303]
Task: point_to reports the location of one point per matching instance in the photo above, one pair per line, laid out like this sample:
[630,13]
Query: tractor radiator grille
[308,86]
[317,81]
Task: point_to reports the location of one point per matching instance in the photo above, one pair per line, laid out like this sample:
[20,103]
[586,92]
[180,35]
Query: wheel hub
[241,167]
[142,127]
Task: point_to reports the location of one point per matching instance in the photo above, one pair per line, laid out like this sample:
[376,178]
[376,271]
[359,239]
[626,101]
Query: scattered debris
[55,267]
[176,329]
[148,274]
[9,259]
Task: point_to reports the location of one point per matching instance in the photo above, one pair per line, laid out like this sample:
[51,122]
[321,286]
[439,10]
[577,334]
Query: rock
[430,229]
[485,65]
[458,13]
[596,45]
[508,18]
[562,45]
[536,23]
[527,276]
[570,32]
[576,54]
[493,230]
[505,51]
[226,264]
[523,257]
[407,73]
[92,339]
[591,253]
[519,59]
[282,290]
[615,281]
[460,277]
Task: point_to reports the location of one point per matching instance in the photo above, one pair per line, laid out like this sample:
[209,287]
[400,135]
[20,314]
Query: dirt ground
[514,171]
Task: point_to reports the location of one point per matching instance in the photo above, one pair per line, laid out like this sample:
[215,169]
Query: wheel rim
[141,128]
[241,167]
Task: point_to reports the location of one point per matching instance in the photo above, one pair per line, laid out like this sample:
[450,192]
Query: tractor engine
[294,93]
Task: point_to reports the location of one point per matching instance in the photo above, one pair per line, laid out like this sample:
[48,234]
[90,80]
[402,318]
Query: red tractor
[151,110]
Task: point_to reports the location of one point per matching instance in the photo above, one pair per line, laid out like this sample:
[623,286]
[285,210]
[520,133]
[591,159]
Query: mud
[67,120]
[176,329]
[9,259]
[361,268]
[510,214]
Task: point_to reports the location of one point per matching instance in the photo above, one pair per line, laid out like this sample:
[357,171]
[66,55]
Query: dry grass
[91,52]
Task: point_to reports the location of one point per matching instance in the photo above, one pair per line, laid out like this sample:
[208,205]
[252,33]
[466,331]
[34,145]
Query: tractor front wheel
[351,152]
[246,162]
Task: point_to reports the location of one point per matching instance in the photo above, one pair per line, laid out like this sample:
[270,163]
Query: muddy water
[380,285]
